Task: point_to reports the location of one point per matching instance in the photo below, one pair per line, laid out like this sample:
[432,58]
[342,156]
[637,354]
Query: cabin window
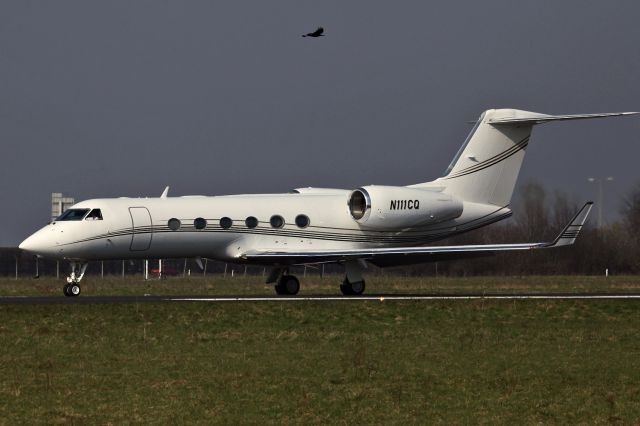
[95,214]
[276,221]
[226,223]
[174,224]
[72,214]
[200,223]
[251,222]
[302,220]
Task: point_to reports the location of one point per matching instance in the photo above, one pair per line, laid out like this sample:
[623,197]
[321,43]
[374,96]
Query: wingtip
[571,232]
[587,206]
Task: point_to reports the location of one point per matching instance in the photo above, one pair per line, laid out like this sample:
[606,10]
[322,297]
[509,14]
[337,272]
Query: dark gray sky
[120,98]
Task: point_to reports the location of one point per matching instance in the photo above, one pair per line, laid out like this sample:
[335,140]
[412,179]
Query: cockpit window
[95,214]
[72,214]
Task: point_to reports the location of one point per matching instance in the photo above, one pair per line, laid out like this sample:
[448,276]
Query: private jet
[379,225]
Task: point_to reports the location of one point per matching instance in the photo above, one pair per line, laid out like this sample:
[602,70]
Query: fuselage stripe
[491,161]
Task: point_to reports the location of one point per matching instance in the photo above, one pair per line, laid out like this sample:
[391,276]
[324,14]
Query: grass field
[313,284]
[371,362]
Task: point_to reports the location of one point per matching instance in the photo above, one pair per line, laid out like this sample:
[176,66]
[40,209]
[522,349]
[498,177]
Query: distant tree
[631,209]
[533,215]
[564,209]
[631,225]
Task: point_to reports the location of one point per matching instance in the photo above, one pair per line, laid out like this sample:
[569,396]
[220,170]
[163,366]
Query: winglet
[165,193]
[570,232]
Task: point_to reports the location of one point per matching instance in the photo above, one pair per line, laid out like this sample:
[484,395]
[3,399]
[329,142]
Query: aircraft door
[142,228]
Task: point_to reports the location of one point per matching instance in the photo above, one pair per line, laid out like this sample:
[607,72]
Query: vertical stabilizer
[486,167]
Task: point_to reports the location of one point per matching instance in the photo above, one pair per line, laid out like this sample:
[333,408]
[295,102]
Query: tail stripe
[491,161]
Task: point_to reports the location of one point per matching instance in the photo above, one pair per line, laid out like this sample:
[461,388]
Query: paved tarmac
[88,300]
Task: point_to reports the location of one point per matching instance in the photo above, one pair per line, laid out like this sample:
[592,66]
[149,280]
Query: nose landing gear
[72,288]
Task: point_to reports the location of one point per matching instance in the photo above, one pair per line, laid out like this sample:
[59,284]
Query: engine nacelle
[389,207]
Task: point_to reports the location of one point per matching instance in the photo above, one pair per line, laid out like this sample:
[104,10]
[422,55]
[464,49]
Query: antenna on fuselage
[165,193]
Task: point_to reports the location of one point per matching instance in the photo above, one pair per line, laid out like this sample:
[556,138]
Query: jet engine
[389,207]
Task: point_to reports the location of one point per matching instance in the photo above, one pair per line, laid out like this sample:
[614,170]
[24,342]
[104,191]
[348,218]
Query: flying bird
[316,33]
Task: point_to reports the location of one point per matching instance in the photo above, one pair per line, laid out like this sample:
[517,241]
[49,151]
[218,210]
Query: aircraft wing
[409,255]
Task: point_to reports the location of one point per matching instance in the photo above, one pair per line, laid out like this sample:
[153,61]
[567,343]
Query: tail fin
[486,167]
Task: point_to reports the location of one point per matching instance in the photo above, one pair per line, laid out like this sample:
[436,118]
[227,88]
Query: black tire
[358,288]
[346,289]
[74,290]
[65,290]
[288,285]
[352,289]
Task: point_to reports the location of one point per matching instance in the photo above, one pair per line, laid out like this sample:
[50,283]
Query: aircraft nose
[30,244]
[37,243]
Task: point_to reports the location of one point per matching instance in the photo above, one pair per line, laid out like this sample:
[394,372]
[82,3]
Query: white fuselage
[139,227]
[382,225]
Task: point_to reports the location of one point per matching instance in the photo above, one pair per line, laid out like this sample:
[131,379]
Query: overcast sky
[120,98]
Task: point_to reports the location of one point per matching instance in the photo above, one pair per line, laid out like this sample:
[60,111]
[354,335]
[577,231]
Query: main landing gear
[288,285]
[352,289]
[72,288]
[353,284]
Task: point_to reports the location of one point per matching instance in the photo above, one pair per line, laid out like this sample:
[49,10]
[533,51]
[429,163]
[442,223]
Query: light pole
[599,181]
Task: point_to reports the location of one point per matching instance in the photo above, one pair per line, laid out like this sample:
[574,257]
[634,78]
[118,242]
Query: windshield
[72,214]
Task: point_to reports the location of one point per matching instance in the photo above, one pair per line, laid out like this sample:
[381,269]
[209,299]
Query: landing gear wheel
[288,285]
[74,290]
[352,289]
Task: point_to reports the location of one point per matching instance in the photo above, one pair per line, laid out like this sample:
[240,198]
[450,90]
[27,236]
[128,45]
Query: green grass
[313,284]
[372,362]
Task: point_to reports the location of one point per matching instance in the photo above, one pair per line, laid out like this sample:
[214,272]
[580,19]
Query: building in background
[60,203]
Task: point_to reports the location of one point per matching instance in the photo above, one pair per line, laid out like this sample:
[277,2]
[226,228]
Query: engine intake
[359,203]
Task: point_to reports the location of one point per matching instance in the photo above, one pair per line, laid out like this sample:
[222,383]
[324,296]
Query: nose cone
[38,243]
[30,244]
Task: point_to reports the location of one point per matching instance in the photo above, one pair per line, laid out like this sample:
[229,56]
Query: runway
[97,300]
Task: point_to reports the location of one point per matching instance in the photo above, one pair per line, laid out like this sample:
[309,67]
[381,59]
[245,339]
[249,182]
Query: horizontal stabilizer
[535,118]
[407,255]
